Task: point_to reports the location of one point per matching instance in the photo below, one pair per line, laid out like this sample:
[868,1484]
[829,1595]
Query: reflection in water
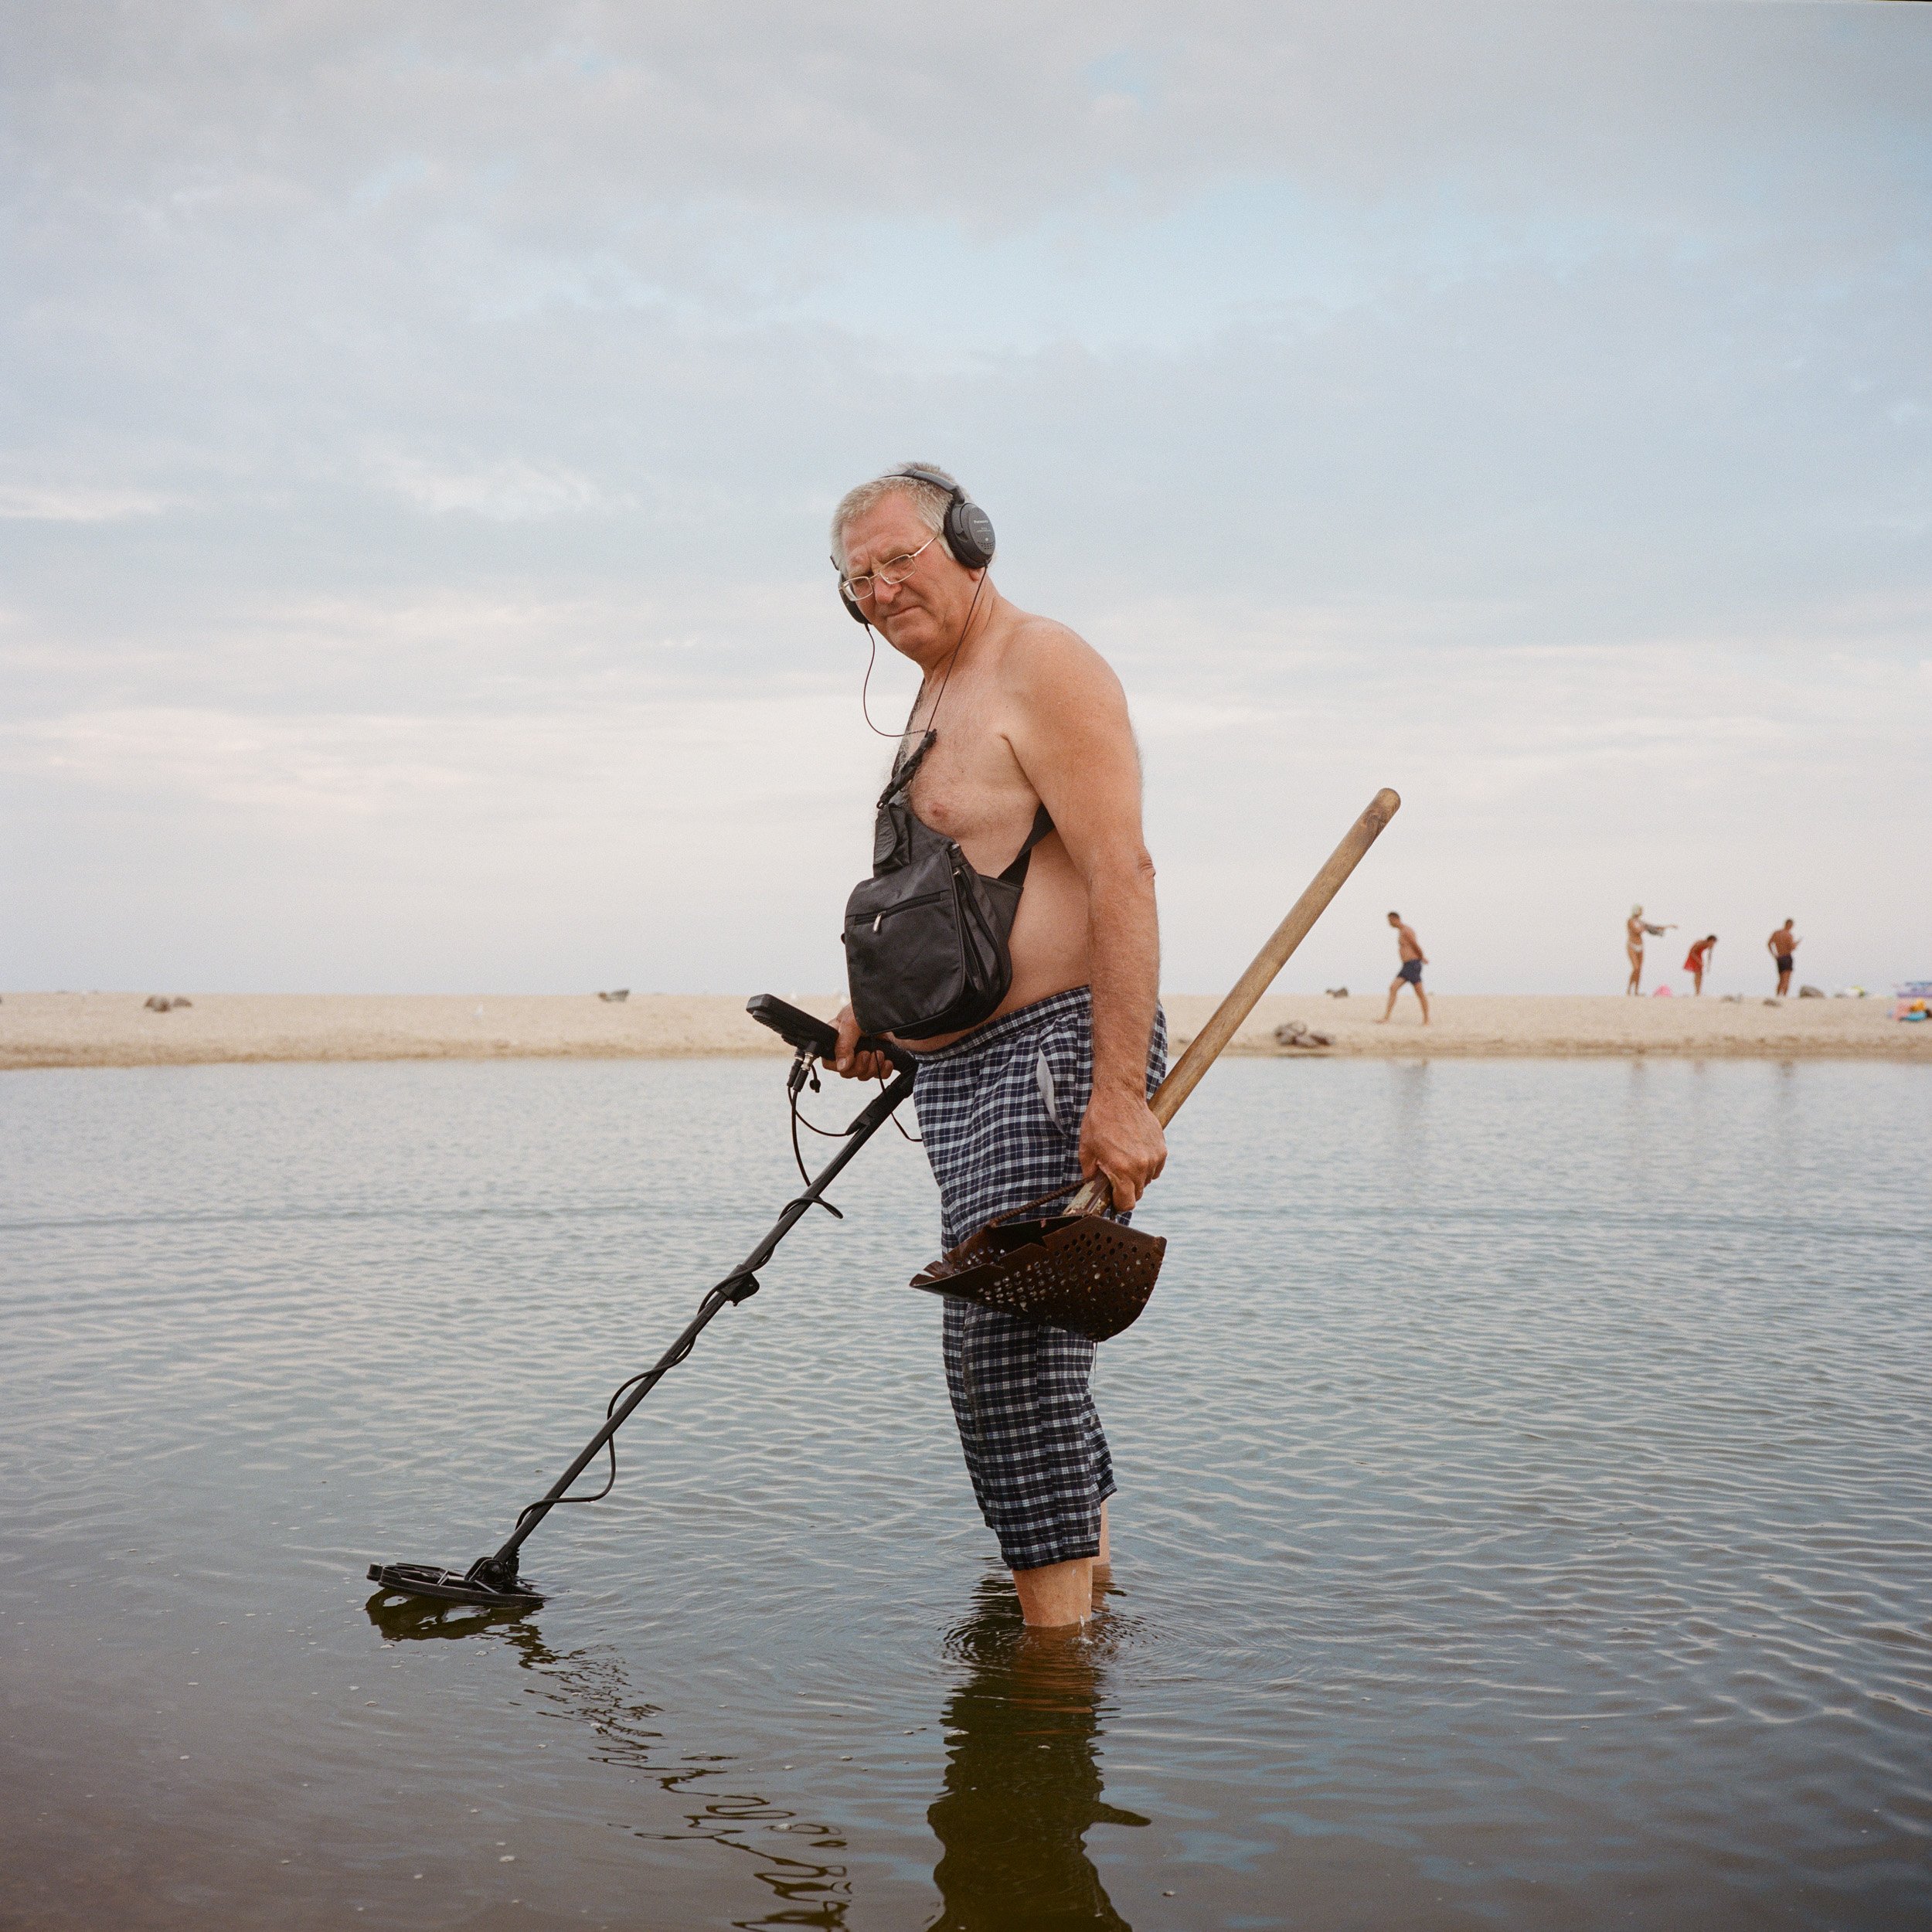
[590,1686]
[409,1620]
[1022,1780]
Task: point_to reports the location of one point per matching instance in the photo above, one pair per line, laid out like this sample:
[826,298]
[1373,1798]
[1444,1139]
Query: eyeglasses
[894,570]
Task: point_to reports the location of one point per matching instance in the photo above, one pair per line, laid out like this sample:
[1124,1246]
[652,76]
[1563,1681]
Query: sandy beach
[119,1029]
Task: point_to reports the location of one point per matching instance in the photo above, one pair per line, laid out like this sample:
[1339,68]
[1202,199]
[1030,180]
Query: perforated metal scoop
[1077,1271]
[1080,1270]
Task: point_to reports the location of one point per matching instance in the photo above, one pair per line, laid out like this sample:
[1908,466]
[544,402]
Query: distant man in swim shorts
[1410,974]
[1783,947]
[1698,959]
[1054,1085]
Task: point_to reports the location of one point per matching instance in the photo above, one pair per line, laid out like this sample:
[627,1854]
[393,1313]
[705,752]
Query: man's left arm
[1075,743]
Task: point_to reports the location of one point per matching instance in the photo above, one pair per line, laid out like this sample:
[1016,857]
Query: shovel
[1081,1269]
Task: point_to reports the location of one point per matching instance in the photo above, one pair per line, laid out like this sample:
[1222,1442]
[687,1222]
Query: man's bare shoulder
[1047,661]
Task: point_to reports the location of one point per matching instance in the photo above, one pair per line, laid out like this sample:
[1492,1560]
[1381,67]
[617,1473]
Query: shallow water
[1526,1489]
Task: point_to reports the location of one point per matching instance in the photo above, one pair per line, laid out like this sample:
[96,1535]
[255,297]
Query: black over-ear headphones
[968,529]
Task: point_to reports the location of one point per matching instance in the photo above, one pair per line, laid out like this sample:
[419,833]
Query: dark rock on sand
[1292,1032]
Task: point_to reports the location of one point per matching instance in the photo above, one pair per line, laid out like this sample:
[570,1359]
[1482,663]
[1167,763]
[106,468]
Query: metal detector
[493,1580]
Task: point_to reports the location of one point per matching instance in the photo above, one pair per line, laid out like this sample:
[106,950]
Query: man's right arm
[853,1064]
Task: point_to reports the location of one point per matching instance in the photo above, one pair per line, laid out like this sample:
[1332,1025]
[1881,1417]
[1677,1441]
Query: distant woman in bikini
[1635,928]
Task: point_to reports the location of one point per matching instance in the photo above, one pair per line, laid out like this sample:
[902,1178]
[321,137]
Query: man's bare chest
[970,786]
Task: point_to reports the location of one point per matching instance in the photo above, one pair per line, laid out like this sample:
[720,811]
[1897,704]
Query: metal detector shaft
[739,1285]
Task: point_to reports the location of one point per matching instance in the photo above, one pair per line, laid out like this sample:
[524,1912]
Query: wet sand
[118,1029]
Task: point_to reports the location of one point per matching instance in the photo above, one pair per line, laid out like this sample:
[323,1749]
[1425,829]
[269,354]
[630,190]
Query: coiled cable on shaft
[802,1071]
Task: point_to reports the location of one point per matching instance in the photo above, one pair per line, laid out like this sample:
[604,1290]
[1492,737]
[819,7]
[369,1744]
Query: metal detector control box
[797,1028]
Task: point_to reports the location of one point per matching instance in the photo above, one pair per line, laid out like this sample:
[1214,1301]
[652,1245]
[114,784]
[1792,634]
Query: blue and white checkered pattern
[1000,1113]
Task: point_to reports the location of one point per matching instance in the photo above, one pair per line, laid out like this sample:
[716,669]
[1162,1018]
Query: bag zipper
[904,906]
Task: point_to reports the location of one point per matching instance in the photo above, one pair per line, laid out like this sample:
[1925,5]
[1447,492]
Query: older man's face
[923,616]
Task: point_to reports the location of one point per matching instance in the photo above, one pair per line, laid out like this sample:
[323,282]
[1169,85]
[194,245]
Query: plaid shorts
[1000,1112]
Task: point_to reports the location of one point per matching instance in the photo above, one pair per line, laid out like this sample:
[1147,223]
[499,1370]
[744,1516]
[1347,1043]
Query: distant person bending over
[1783,947]
[1635,928]
[1410,972]
[1697,961]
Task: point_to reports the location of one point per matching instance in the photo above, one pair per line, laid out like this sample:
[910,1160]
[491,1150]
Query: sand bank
[117,1029]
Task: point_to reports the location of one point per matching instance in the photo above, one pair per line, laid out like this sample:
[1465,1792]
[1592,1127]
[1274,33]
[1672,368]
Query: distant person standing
[1783,947]
[1635,928]
[1410,972]
[1698,960]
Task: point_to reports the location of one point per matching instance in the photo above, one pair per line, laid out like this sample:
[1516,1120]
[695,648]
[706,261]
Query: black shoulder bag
[926,935]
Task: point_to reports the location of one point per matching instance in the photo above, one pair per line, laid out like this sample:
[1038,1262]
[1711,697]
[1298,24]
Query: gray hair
[927,500]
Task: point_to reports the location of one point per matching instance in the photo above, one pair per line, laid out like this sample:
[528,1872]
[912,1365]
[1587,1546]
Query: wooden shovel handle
[1203,1049]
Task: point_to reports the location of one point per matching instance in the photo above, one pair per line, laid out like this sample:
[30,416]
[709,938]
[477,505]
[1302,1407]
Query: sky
[419,425]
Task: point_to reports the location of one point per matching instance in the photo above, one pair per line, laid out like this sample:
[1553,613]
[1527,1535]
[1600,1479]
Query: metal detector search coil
[451,1586]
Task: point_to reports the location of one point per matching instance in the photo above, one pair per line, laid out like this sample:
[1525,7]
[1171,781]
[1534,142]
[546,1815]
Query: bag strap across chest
[896,799]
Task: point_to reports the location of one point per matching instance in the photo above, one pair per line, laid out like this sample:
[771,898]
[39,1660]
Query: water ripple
[1526,1514]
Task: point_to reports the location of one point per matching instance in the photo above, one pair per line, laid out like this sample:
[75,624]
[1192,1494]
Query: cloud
[55,503]
[508,491]
[423,424]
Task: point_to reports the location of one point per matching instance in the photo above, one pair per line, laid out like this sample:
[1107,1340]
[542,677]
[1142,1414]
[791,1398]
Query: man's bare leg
[1424,998]
[1394,987]
[1047,1595]
[1056,1596]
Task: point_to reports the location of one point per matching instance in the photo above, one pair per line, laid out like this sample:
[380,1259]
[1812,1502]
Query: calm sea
[1526,1514]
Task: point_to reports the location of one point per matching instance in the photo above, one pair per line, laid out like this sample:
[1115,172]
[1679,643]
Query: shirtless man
[1054,1085]
[1783,947]
[1409,973]
[1635,928]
